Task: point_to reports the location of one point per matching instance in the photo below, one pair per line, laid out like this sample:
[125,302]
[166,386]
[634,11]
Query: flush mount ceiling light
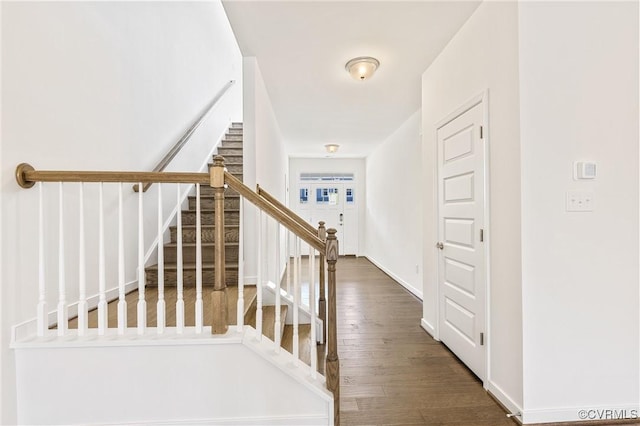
[332,147]
[362,68]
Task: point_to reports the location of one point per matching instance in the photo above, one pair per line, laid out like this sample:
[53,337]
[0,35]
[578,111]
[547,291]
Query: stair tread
[206,226]
[207,244]
[269,320]
[249,295]
[174,266]
[213,196]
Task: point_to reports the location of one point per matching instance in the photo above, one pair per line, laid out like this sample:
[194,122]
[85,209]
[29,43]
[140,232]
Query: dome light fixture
[362,68]
[332,148]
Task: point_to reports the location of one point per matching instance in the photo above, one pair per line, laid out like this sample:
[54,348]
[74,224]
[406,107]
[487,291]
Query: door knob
[440,245]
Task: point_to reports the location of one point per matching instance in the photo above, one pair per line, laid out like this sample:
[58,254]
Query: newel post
[332,366]
[322,302]
[219,295]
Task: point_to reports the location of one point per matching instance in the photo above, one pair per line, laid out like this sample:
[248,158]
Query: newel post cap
[332,245]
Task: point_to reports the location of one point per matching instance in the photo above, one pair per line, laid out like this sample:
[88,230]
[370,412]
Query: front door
[461,204]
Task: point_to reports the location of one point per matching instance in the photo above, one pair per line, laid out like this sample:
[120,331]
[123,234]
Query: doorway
[332,198]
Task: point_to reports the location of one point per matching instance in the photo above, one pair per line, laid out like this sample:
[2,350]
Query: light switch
[578,201]
[584,170]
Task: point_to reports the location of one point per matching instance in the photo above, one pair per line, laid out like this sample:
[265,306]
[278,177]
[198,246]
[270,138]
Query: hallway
[391,370]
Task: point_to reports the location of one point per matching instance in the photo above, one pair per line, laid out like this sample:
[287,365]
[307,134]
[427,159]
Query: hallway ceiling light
[362,68]
[332,147]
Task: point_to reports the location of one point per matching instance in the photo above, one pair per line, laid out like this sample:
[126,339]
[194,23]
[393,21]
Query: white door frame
[482,98]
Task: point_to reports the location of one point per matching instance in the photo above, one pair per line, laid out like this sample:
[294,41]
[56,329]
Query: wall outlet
[580,201]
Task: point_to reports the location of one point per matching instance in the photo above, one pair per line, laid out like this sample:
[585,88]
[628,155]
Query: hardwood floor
[392,372]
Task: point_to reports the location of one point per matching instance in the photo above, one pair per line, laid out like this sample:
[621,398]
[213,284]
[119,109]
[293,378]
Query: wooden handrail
[310,238]
[273,200]
[186,136]
[27,176]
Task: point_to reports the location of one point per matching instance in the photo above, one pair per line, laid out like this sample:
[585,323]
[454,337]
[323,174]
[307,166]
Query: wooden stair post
[322,301]
[332,364]
[219,323]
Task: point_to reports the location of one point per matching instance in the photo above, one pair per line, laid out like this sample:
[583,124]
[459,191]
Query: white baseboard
[250,280]
[577,414]
[272,420]
[504,399]
[403,283]
[429,328]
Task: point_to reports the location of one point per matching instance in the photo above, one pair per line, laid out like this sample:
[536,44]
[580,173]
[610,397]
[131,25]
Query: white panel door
[327,205]
[461,272]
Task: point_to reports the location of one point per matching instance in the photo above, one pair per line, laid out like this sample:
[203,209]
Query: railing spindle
[179,271]
[102,279]
[288,266]
[312,312]
[43,320]
[62,298]
[83,308]
[322,303]
[199,307]
[260,273]
[296,297]
[142,303]
[277,327]
[160,306]
[122,303]
[240,306]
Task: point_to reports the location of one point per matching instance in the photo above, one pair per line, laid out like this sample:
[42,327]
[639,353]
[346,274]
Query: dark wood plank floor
[392,372]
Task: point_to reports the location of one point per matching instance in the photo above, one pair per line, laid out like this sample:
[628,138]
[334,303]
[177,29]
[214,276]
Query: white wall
[393,214]
[483,55]
[333,165]
[579,101]
[265,163]
[99,86]
[167,382]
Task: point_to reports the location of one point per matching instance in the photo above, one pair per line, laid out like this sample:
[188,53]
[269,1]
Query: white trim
[479,99]
[250,280]
[575,414]
[396,278]
[429,329]
[270,420]
[502,396]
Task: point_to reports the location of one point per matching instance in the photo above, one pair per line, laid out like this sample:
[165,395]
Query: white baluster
[296,297]
[142,303]
[259,283]
[240,307]
[179,283]
[62,299]
[43,320]
[288,267]
[277,330]
[160,306]
[312,312]
[122,303]
[102,297]
[199,305]
[83,308]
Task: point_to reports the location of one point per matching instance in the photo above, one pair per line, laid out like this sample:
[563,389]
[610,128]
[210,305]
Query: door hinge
[482,235]
[481,132]
[481,339]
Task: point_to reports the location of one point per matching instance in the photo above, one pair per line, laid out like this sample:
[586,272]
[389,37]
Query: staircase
[231,150]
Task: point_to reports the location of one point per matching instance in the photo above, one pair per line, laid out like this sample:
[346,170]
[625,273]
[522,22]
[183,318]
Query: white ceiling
[302,47]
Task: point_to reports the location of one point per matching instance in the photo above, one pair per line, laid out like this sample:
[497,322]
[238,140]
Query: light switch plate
[578,201]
